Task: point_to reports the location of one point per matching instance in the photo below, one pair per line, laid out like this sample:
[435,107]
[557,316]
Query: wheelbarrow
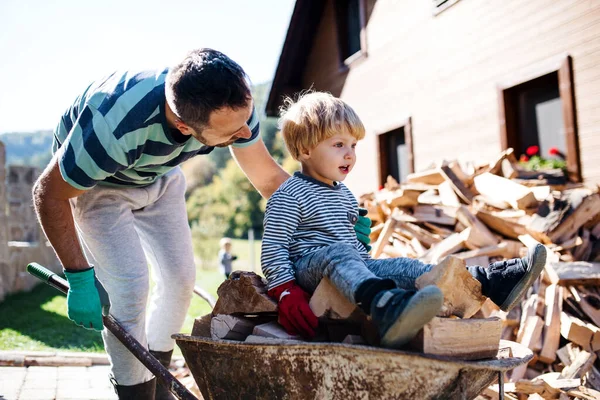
[225,369]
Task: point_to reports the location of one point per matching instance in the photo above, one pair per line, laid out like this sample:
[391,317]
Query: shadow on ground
[27,318]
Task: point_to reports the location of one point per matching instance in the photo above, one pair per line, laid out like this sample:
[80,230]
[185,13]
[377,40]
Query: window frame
[563,67]
[382,151]
[362,53]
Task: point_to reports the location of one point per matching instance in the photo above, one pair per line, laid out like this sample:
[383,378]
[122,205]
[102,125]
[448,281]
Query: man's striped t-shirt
[302,216]
[116,133]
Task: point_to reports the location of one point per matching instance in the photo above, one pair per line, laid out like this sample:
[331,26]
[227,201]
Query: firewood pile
[487,213]
[452,216]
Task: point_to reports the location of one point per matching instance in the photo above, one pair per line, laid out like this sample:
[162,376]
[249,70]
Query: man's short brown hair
[314,117]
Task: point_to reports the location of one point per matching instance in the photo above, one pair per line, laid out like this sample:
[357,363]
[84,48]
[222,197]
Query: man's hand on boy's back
[295,314]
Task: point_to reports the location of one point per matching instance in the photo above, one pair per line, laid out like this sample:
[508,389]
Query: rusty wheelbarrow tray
[225,369]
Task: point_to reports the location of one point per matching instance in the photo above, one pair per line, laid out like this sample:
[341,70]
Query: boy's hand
[295,314]
[363,228]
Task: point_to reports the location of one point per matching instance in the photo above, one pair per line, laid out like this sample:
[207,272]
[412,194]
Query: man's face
[225,126]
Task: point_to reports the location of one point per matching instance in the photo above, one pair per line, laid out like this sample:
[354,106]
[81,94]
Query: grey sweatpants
[346,269]
[120,230]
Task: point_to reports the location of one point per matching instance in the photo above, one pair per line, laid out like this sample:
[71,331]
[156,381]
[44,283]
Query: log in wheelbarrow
[226,369]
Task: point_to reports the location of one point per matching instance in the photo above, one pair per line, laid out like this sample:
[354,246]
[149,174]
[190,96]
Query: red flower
[554,151]
[532,150]
[523,158]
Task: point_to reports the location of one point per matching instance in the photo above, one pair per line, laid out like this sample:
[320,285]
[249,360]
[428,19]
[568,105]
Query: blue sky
[51,50]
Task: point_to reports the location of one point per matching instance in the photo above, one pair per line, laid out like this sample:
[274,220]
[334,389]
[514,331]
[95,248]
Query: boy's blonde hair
[224,241]
[314,117]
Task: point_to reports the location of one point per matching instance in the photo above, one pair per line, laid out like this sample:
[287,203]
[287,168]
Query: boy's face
[332,159]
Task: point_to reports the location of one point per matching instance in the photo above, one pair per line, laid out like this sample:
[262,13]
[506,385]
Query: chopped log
[549,273]
[401,197]
[458,185]
[464,339]
[430,177]
[442,215]
[582,214]
[541,193]
[554,296]
[505,249]
[532,333]
[539,388]
[580,366]
[423,235]
[584,393]
[448,246]
[230,327]
[503,226]
[589,303]
[481,232]
[244,293]
[202,326]
[328,301]
[496,165]
[503,189]
[383,238]
[508,170]
[448,196]
[584,250]
[273,330]
[440,230]
[577,273]
[418,247]
[577,331]
[430,197]
[462,292]
[481,201]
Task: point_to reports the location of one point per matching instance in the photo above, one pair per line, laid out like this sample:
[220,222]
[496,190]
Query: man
[113,194]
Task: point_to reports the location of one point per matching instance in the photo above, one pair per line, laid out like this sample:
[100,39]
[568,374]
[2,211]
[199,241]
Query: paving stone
[72,373]
[74,384]
[39,382]
[37,394]
[12,372]
[43,371]
[9,394]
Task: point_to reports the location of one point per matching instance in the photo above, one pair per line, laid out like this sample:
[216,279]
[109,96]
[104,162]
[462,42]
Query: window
[441,5]
[540,111]
[395,153]
[350,30]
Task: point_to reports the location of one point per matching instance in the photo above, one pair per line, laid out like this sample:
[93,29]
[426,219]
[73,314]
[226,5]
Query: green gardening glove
[363,228]
[87,299]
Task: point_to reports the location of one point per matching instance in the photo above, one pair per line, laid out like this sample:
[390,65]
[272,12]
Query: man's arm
[260,168]
[51,196]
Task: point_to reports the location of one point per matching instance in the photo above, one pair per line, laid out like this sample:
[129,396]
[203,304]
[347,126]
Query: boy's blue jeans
[346,269]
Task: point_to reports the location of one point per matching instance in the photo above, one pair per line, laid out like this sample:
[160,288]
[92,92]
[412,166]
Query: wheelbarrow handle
[139,351]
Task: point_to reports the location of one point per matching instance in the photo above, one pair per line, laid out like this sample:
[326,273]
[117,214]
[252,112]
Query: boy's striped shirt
[116,133]
[302,216]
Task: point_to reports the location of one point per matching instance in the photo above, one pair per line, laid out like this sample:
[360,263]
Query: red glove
[295,314]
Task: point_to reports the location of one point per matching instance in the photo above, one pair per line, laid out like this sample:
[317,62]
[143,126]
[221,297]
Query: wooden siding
[444,71]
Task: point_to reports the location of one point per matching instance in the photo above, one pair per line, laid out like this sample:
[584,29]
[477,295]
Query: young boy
[309,235]
[225,256]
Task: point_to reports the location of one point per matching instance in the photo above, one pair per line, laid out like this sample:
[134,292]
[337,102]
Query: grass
[38,320]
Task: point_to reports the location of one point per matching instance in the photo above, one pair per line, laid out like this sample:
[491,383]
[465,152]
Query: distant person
[113,192]
[225,256]
[309,235]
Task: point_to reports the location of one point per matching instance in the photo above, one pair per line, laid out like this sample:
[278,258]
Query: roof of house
[296,48]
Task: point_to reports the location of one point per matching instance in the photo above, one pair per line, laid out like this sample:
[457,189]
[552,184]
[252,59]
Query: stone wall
[21,238]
